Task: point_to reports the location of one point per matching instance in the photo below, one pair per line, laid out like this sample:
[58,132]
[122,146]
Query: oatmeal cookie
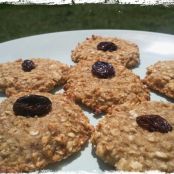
[117,49]
[101,83]
[29,142]
[160,77]
[34,74]
[137,138]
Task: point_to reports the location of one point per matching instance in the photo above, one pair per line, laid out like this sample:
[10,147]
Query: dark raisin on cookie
[28,65]
[107,46]
[32,105]
[103,69]
[153,123]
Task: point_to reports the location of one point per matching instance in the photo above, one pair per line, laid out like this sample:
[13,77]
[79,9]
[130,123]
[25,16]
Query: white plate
[153,47]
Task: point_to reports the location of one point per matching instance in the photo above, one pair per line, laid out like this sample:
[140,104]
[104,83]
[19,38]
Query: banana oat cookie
[137,138]
[117,49]
[34,74]
[160,77]
[101,83]
[29,142]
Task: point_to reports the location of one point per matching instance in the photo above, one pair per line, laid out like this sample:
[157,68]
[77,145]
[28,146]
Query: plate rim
[99,30]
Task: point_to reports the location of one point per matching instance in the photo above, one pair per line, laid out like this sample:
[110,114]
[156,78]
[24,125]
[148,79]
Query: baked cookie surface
[43,76]
[121,142]
[100,93]
[126,53]
[28,143]
[160,77]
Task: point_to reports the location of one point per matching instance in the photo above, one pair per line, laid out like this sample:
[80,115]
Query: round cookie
[160,77]
[28,143]
[101,93]
[120,141]
[43,76]
[126,53]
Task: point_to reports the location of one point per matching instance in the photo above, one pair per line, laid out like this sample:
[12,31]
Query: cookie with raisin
[100,84]
[119,50]
[160,77]
[37,129]
[34,74]
[137,138]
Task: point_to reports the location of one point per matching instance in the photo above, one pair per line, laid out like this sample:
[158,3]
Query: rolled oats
[102,93]
[31,143]
[138,150]
[44,77]
[127,53]
[160,77]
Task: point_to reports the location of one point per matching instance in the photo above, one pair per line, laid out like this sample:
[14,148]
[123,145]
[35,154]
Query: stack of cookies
[39,128]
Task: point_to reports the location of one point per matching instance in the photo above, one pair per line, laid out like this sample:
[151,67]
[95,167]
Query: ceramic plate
[153,47]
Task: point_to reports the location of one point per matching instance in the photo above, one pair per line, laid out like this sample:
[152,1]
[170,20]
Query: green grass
[25,20]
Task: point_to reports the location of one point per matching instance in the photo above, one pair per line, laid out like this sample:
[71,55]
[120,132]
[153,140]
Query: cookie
[34,74]
[138,138]
[103,83]
[29,142]
[117,49]
[160,77]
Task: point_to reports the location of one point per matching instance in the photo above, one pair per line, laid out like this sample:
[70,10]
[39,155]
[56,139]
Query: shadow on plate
[57,166]
[57,89]
[2,94]
[103,166]
[86,109]
[135,67]
[169,99]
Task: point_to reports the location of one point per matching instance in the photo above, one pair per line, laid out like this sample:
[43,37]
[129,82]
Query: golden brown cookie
[160,77]
[28,141]
[117,49]
[137,138]
[101,92]
[34,74]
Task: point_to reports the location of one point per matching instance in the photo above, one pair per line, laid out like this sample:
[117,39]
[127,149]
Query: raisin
[103,69]
[154,123]
[32,105]
[28,65]
[107,46]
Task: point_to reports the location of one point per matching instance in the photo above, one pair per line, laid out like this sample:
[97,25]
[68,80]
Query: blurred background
[25,20]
